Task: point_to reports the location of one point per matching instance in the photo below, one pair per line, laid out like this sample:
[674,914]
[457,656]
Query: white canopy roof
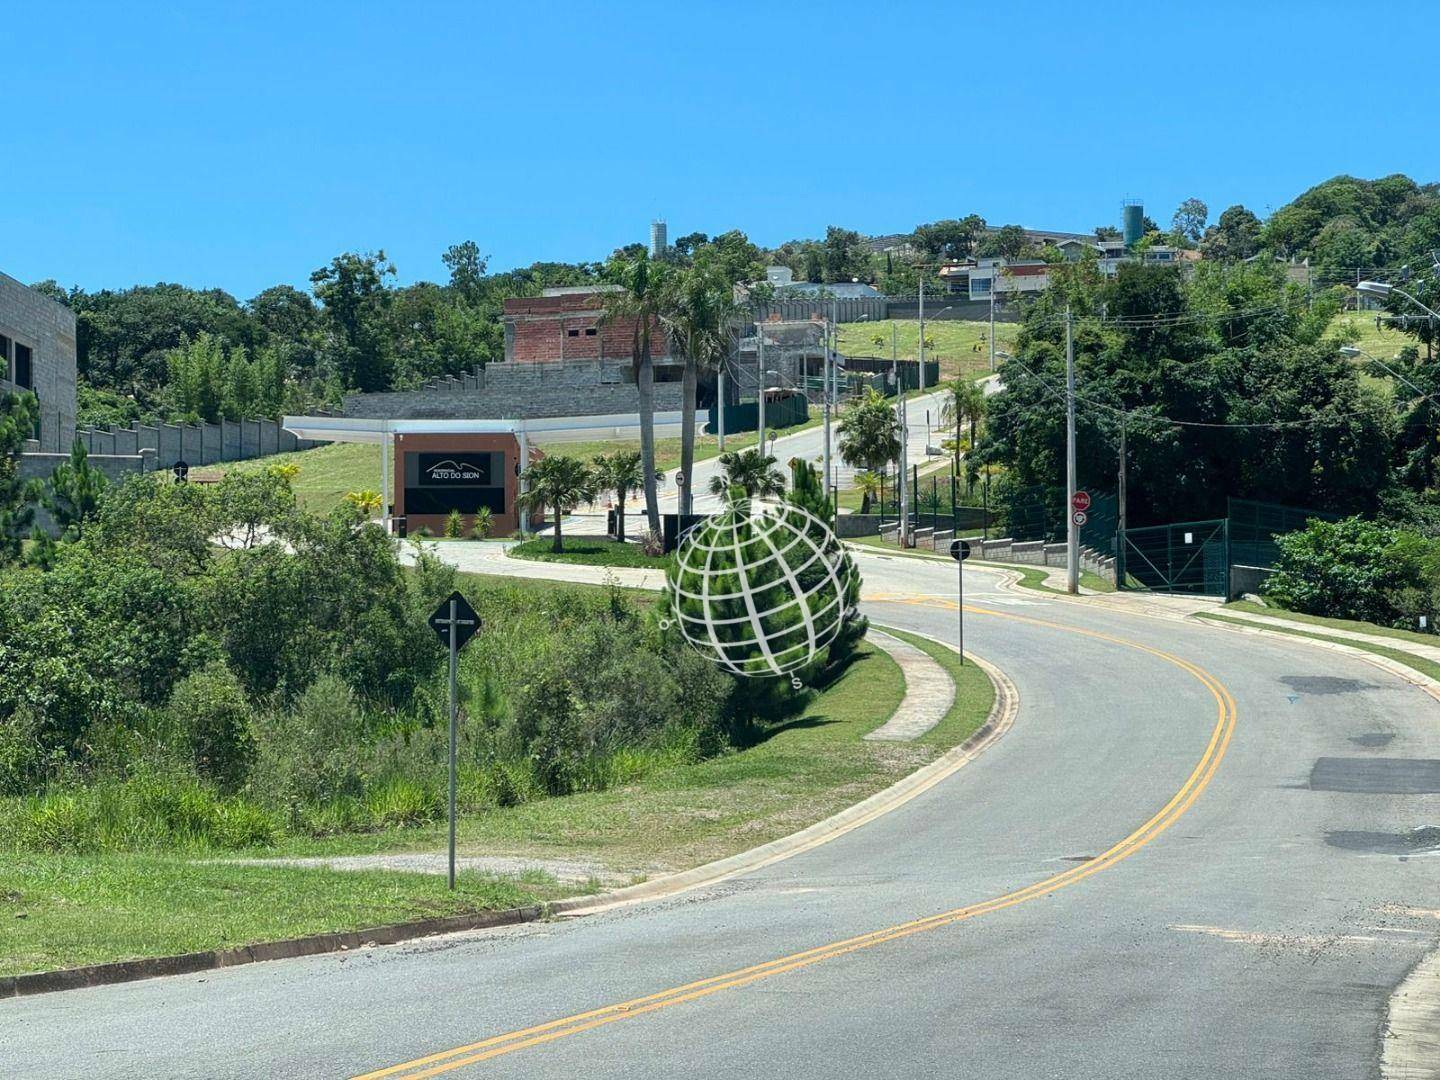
[546,429]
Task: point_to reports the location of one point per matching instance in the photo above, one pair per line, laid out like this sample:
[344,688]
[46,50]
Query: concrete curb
[44,982]
[999,720]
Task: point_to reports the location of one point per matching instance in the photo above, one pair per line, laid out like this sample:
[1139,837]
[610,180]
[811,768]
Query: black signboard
[466,621]
[181,469]
[436,483]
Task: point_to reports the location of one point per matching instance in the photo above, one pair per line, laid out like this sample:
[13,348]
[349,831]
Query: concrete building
[37,353]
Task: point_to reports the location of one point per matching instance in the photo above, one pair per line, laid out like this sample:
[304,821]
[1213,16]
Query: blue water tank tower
[1132,221]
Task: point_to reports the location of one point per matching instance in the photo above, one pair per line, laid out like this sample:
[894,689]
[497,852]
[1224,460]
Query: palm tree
[642,301]
[869,433]
[751,471]
[560,484]
[697,310]
[621,473]
[868,484]
[964,402]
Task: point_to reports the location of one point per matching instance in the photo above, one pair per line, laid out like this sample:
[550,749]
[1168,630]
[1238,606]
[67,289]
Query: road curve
[1181,861]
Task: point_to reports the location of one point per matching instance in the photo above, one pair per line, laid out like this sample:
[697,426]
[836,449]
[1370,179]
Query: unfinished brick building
[563,325]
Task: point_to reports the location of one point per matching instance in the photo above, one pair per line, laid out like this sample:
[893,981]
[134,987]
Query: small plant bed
[589,552]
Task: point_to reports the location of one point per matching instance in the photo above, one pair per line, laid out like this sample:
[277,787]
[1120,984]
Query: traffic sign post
[960,551]
[1080,501]
[181,469]
[455,623]
[1079,517]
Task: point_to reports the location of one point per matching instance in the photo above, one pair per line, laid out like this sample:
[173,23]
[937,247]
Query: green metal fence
[1188,557]
[1254,526]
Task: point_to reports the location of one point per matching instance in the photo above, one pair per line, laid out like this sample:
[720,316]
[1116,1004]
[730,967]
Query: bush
[211,718]
[1355,569]
[143,813]
[454,525]
[310,755]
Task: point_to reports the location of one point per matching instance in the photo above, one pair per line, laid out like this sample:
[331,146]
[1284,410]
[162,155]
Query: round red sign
[1080,500]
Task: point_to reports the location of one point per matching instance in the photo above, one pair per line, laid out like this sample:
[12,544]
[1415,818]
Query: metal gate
[1190,557]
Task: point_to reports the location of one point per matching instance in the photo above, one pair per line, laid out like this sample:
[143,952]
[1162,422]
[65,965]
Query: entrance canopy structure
[525,432]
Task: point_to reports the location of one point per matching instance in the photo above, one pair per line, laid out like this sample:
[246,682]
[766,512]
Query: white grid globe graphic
[760,589]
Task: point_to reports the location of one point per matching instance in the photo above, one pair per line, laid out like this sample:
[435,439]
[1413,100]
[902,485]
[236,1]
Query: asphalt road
[1180,862]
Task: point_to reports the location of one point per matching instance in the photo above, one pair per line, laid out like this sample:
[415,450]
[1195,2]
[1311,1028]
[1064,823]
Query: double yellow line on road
[1199,778]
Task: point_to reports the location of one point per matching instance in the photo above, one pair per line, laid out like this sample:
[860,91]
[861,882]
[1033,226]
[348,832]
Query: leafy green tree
[750,472]
[843,255]
[467,270]
[197,378]
[559,484]
[869,484]
[950,239]
[1008,242]
[619,472]
[354,299]
[19,413]
[1188,224]
[73,494]
[1235,236]
[808,493]
[869,433]
[209,712]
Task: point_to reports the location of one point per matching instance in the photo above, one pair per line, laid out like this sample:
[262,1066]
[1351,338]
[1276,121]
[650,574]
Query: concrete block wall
[47,329]
[196,444]
[518,391]
[116,467]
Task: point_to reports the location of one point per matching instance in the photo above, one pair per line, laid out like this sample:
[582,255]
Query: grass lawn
[327,473]
[588,552]
[1410,660]
[961,345]
[1335,624]
[1381,342]
[68,910]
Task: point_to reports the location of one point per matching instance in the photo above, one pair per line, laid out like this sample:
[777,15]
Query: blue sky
[243,145]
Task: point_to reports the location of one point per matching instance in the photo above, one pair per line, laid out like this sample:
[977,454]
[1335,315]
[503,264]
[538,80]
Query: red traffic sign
[1079,517]
[1080,501]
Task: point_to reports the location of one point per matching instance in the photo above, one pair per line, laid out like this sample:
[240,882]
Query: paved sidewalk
[490,557]
[929,691]
[1414,648]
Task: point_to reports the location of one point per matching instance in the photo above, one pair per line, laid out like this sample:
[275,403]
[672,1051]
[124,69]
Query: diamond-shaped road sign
[466,621]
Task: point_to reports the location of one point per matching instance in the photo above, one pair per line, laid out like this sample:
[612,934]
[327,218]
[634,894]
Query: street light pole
[829,360]
[1383,289]
[760,385]
[1072,531]
[992,322]
[902,489]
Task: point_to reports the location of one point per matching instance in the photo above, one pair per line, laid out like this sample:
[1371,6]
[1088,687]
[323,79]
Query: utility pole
[922,331]
[902,490]
[720,405]
[760,388]
[1120,510]
[1072,531]
[992,322]
[825,372]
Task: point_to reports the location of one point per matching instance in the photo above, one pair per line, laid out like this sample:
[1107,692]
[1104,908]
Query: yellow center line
[1199,778]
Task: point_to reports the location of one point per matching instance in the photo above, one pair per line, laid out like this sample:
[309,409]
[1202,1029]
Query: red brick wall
[542,330]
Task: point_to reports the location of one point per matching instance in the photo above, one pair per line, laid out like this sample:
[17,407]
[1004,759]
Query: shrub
[1350,569]
[403,801]
[308,755]
[212,719]
[454,525]
[484,523]
[652,543]
[143,813]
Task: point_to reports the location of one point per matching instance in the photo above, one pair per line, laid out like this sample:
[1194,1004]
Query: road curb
[997,722]
[45,982]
